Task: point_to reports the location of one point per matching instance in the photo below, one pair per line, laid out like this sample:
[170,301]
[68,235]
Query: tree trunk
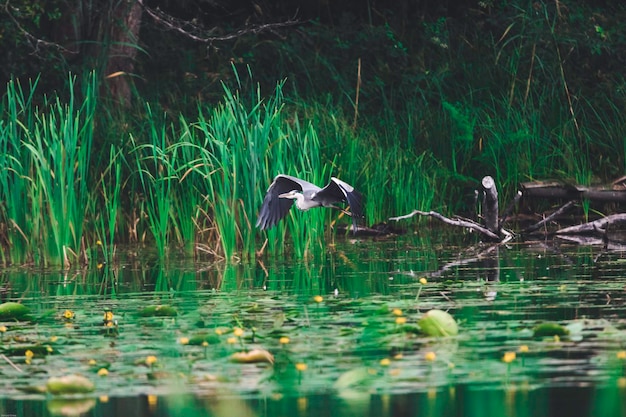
[490,204]
[123,45]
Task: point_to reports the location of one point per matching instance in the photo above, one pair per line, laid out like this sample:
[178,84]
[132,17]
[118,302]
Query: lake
[541,332]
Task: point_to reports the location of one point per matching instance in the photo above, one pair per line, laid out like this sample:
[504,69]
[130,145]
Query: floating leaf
[549,329]
[438,323]
[253,356]
[200,338]
[13,310]
[69,384]
[158,311]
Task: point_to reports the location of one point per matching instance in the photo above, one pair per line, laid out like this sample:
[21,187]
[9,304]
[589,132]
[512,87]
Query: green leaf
[438,323]
[13,310]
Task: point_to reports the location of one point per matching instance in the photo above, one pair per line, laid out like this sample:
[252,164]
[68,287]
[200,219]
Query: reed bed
[194,183]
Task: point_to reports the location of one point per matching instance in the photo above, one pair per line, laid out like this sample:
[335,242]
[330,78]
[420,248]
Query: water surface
[347,353]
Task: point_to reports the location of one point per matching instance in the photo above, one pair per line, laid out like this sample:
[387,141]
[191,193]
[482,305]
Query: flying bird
[286,189]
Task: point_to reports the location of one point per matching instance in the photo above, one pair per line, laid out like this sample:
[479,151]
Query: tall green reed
[157,176]
[105,209]
[246,142]
[46,178]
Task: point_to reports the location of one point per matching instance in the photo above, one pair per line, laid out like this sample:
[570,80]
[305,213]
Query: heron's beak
[290,194]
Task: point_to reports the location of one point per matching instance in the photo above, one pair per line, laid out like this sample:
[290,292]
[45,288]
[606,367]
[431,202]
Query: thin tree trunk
[123,41]
[490,204]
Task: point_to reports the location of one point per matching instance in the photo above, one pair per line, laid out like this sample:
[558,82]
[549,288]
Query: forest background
[164,122]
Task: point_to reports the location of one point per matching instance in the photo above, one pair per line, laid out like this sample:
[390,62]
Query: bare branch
[454,222]
[35,43]
[181,26]
[558,212]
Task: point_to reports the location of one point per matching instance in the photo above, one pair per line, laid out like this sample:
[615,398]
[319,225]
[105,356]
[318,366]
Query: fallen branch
[597,226]
[558,212]
[454,222]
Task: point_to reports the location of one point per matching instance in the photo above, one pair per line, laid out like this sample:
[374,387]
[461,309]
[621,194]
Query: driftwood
[599,226]
[567,206]
[560,190]
[490,204]
[492,224]
[454,222]
[492,228]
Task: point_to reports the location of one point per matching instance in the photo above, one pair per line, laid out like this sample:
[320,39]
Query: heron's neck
[300,202]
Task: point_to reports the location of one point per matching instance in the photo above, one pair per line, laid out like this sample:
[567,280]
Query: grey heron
[286,189]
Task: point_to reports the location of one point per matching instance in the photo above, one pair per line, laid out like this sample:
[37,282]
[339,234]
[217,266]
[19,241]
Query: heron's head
[293,194]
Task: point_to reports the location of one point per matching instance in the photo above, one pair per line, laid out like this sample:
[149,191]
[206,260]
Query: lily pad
[438,323]
[550,329]
[158,311]
[69,384]
[200,338]
[253,356]
[12,310]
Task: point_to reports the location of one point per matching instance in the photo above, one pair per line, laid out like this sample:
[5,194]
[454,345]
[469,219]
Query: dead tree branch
[203,35]
[564,208]
[595,227]
[454,222]
[35,43]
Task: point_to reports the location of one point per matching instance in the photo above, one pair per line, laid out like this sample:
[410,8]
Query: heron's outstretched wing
[274,208]
[337,190]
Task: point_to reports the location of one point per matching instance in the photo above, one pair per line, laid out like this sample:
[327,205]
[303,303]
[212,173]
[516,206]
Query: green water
[341,331]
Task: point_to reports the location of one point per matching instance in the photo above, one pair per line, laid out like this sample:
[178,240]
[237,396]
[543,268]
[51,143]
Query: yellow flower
[231,340]
[423,281]
[430,356]
[396,312]
[183,340]
[103,372]
[29,354]
[523,349]
[621,354]
[318,298]
[104,398]
[3,329]
[108,316]
[283,340]
[385,362]
[92,362]
[54,338]
[301,366]
[68,314]
[205,343]
[49,349]
[150,360]
[238,331]
[400,320]
[508,357]
[398,356]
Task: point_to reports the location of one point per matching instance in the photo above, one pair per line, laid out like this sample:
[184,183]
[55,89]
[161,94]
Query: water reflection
[462,400]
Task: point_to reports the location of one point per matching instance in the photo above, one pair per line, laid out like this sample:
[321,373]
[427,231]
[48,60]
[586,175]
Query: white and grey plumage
[285,189]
